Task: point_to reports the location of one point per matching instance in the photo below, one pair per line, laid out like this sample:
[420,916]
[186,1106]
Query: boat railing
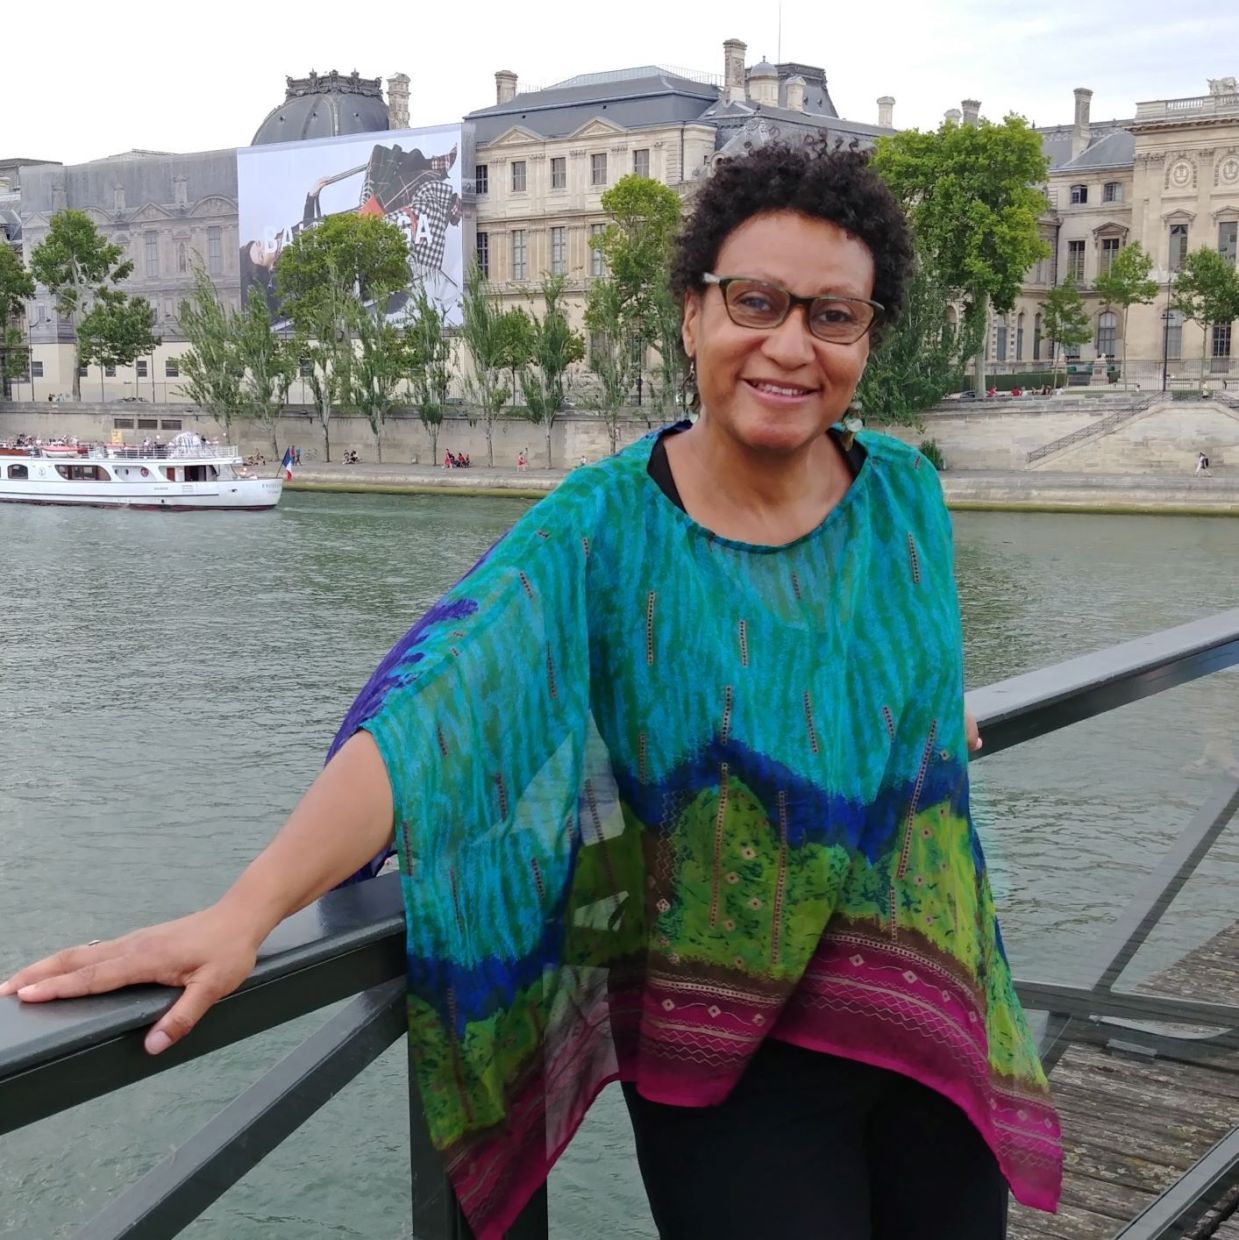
[350,945]
[163,452]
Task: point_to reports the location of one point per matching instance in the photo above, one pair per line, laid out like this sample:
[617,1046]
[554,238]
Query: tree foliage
[971,195]
[328,278]
[1206,290]
[268,363]
[212,370]
[380,365]
[16,284]
[76,265]
[555,348]
[516,337]
[611,355]
[428,356]
[1065,321]
[116,330]
[1128,283]
[922,358]
[488,340]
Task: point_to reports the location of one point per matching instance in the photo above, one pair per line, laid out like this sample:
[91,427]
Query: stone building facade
[1167,178]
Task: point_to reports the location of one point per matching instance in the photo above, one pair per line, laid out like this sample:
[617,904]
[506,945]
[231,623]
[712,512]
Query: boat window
[84,473]
[19,472]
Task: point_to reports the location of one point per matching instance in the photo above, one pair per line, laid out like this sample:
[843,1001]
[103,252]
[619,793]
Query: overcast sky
[163,77]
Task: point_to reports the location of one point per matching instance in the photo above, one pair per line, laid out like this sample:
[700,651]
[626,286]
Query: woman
[727,857]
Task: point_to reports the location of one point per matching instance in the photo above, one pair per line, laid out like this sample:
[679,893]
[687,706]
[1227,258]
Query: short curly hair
[821,179]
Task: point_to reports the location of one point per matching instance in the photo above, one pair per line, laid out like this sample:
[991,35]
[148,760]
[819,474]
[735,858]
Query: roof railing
[350,945]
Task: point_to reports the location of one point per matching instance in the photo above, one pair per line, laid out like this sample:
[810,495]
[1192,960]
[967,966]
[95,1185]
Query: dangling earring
[692,397]
[852,422]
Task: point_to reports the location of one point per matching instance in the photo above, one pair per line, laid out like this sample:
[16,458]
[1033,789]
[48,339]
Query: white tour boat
[181,476]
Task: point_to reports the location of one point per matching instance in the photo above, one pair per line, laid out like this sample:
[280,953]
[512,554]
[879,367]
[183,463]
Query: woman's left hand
[971,731]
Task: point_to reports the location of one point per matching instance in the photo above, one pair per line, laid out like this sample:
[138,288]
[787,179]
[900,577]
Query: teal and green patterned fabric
[661,795]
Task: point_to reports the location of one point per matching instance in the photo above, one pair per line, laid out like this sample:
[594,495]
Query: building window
[1220,351]
[1079,195]
[483,252]
[152,254]
[518,176]
[182,259]
[1037,330]
[597,264]
[559,172]
[1000,342]
[481,179]
[83,371]
[598,169]
[559,258]
[141,365]
[1107,330]
[641,162]
[1174,335]
[170,369]
[519,254]
[215,252]
[305,368]
[1072,351]
[1228,240]
[1110,247]
[36,369]
[109,372]
[1075,261]
[1178,246]
[1019,337]
[1112,191]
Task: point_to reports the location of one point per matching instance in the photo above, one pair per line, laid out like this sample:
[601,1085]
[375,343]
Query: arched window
[1079,195]
[1000,341]
[1037,329]
[1107,329]
[182,262]
[1019,337]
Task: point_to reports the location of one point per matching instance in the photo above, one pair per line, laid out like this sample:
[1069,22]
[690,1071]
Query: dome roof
[325,106]
[763,69]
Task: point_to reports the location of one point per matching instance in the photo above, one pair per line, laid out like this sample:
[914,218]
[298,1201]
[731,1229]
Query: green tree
[1128,283]
[921,359]
[75,264]
[488,342]
[268,363]
[327,278]
[555,348]
[1206,290]
[16,284]
[116,330]
[611,355]
[636,247]
[429,355]
[516,333]
[1064,318]
[380,365]
[212,367]
[971,195]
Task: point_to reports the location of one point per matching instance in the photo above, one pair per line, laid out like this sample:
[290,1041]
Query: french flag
[287,464]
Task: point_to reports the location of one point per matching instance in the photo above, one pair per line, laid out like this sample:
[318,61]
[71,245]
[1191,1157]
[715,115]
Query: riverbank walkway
[1146,1077]
[1215,494]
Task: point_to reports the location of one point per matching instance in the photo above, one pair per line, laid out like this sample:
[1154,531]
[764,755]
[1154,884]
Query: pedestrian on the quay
[1202,463]
[727,857]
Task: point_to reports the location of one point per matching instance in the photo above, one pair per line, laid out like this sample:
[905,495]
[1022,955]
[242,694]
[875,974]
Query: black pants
[814,1147]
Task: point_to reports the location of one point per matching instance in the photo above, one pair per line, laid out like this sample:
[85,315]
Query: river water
[168,686]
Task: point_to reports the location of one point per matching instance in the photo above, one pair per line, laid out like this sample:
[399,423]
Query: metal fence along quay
[350,945]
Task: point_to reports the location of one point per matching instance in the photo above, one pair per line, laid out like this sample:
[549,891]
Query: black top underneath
[660,469]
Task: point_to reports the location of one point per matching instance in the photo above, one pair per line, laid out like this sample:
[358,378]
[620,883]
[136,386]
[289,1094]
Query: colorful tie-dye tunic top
[660,795]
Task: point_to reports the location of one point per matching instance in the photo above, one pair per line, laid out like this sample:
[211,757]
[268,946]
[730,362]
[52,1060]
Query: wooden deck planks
[1132,1125]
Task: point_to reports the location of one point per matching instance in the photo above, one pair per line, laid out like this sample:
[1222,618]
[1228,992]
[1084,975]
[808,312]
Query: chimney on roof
[1080,131]
[505,86]
[733,71]
[398,101]
[971,110]
[886,112]
[795,93]
[953,116]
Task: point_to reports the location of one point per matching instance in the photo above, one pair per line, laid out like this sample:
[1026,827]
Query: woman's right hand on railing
[206,953]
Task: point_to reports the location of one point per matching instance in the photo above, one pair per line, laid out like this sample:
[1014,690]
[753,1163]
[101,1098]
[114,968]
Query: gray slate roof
[325,115]
[1110,146]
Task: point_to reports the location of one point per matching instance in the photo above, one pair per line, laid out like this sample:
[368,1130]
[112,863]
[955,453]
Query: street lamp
[1166,277]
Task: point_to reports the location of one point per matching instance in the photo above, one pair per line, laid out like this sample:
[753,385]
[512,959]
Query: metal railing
[1095,430]
[351,943]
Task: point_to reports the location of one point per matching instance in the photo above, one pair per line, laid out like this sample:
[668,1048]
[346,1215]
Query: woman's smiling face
[778,390]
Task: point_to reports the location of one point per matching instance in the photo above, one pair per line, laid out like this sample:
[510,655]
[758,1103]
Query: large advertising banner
[410,177]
